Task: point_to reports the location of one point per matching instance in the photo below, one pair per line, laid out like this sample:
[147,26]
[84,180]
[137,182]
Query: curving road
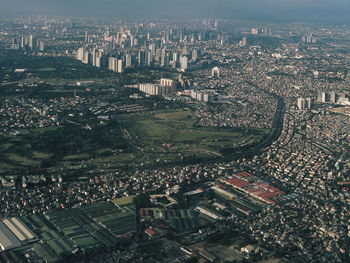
[275,131]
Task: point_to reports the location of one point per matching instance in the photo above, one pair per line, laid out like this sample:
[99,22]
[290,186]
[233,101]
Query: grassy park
[175,131]
[139,139]
[171,136]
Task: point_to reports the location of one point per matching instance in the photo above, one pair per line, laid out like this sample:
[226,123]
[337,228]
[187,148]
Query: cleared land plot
[225,254]
[123,200]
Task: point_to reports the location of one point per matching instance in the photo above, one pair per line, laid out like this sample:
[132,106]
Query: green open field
[178,128]
[171,135]
[138,139]
[22,151]
[46,69]
[56,147]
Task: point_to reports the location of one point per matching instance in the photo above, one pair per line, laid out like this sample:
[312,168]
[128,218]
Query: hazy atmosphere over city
[309,10]
[174,131]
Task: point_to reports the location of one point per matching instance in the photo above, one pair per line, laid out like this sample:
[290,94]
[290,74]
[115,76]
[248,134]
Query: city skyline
[172,131]
[266,10]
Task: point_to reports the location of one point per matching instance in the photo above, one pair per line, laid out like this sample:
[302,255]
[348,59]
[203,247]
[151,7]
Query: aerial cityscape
[203,136]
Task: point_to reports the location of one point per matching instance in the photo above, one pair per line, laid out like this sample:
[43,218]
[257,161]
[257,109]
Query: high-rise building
[243,42]
[32,42]
[308,103]
[265,31]
[80,54]
[175,58]
[113,64]
[215,72]
[141,58]
[120,65]
[93,54]
[168,83]
[98,59]
[42,45]
[254,31]
[148,60]
[87,57]
[333,97]
[152,48]
[216,25]
[152,89]
[304,103]
[309,39]
[23,42]
[344,98]
[110,63]
[202,95]
[323,97]
[128,61]
[90,58]
[133,41]
[184,63]
[163,60]
[301,104]
[194,54]
[104,60]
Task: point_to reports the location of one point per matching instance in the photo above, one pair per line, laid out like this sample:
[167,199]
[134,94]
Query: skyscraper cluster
[138,47]
[304,103]
[333,97]
[154,89]
[32,43]
[142,58]
[309,39]
[202,95]
[258,31]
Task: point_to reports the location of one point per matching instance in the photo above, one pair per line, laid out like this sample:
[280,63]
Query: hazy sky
[317,10]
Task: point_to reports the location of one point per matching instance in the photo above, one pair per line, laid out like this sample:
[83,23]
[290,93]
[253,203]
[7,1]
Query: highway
[275,131]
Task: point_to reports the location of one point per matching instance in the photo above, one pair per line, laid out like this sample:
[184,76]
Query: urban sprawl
[168,141]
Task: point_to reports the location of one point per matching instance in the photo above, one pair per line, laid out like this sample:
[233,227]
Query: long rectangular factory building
[20,230]
[7,239]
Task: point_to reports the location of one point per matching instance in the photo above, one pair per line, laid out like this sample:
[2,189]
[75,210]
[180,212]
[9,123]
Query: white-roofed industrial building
[14,233]
[7,239]
[20,230]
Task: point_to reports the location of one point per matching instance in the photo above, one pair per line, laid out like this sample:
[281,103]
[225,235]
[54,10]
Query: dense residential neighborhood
[159,141]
